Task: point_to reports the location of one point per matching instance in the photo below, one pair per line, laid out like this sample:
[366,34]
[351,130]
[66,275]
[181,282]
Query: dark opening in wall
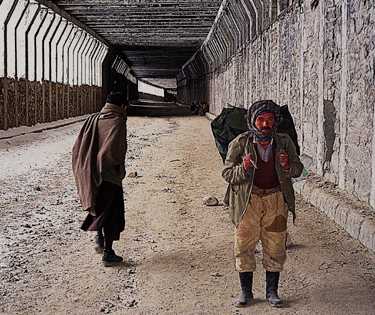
[329,132]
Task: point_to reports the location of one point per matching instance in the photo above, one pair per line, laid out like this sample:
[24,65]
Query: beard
[266,131]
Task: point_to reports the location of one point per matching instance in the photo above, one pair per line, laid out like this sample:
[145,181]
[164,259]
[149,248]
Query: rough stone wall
[360,98]
[321,62]
[332,56]
[310,87]
[25,103]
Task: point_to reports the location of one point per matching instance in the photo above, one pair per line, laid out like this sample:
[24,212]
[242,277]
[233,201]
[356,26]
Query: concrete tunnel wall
[51,65]
[316,56]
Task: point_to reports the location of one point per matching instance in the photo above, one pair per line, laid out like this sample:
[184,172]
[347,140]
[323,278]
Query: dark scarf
[257,109]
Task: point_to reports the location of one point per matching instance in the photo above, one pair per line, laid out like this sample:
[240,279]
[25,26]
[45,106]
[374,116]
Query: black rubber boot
[272,285]
[246,296]
[110,258]
[99,242]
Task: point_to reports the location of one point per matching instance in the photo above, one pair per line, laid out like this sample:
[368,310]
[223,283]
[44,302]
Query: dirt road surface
[178,252]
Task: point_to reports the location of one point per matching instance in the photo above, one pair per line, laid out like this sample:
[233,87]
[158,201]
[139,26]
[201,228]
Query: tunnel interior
[62,57]
[149,41]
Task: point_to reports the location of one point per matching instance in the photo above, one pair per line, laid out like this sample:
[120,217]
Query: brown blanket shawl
[99,153]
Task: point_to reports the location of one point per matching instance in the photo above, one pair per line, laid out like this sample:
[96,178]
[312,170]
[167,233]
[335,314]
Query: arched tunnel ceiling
[156,36]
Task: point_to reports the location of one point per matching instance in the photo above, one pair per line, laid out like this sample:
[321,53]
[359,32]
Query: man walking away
[259,166]
[99,168]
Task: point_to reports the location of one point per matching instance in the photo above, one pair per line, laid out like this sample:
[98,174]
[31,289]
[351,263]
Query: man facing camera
[259,166]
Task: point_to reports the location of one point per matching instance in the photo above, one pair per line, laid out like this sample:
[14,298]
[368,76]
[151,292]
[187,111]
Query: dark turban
[258,108]
[116,98]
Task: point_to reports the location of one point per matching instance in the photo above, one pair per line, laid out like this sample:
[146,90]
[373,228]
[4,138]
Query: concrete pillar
[274,10]
[226,40]
[73,73]
[212,53]
[231,32]
[7,8]
[60,51]
[92,64]
[343,108]
[209,54]
[65,54]
[45,52]
[21,38]
[28,40]
[301,80]
[11,38]
[221,45]
[258,8]
[41,66]
[278,98]
[321,139]
[31,64]
[232,14]
[68,58]
[86,62]
[43,28]
[47,47]
[216,47]
[124,68]
[212,46]
[96,64]
[91,59]
[371,59]
[250,74]
[81,74]
[81,47]
[233,28]
[253,14]
[55,49]
[248,20]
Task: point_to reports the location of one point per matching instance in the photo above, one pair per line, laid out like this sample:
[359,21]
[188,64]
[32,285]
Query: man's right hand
[247,162]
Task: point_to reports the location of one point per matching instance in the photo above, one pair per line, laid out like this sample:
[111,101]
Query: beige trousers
[266,220]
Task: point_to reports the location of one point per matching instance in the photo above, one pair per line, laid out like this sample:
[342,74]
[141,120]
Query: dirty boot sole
[276,304]
[280,305]
[111,259]
[244,301]
[111,263]
[243,305]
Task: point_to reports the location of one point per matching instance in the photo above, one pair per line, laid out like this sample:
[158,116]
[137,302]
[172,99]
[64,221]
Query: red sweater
[265,175]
